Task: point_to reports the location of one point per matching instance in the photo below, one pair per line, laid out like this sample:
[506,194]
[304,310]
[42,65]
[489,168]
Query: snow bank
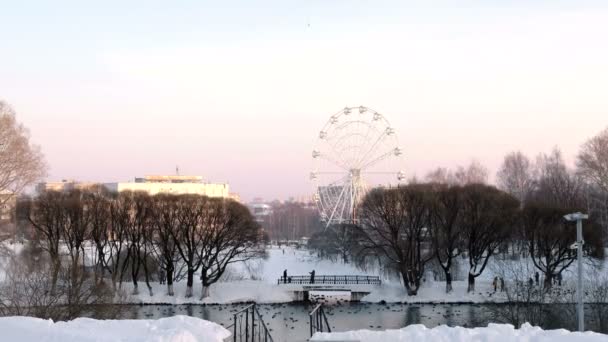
[172,329]
[493,333]
[243,291]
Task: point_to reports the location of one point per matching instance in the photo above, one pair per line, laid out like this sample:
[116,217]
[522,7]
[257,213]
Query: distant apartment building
[260,211]
[174,185]
[64,185]
[8,204]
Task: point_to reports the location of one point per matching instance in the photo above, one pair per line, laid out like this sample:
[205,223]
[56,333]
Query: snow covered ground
[172,329]
[493,333]
[257,282]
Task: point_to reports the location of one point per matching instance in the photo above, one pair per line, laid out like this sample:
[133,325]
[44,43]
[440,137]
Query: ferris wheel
[356,150]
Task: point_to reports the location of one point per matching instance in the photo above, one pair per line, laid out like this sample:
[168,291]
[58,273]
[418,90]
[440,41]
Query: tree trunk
[205,293]
[135,291]
[448,281]
[189,283]
[471,286]
[548,280]
[170,283]
[55,275]
[411,291]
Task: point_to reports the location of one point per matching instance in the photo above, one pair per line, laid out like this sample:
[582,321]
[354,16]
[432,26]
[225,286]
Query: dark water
[290,322]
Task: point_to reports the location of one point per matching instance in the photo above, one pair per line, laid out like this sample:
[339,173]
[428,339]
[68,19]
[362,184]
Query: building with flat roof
[64,185]
[156,184]
[153,184]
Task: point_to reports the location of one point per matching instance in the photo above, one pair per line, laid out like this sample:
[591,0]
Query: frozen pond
[290,322]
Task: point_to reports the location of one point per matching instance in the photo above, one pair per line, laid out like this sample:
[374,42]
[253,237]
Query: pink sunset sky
[238,93]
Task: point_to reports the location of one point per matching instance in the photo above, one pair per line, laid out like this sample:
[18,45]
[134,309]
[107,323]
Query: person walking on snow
[312,277]
[285,276]
[495,283]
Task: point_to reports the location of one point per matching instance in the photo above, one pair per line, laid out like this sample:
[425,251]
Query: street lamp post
[579,217]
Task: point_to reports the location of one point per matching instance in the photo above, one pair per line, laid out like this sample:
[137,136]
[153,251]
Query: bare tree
[487,214]
[557,183]
[549,238]
[445,227]
[75,232]
[165,220]
[441,175]
[394,224]
[525,301]
[47,216]
[98,205]
[337,241]
[118,253]
[21,163]
[592,160]
[558,191]
[592,166]
[24,291]
[516,175]
[474,173]
[231,235]
[189,235]
[138,233]
[292,220]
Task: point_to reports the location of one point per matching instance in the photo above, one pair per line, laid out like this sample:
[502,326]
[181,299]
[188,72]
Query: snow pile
[493,333]
[172,329]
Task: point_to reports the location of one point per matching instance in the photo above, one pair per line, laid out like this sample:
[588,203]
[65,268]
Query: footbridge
[358,285]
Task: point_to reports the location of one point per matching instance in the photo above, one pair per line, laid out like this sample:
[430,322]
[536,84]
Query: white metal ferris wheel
[356,150]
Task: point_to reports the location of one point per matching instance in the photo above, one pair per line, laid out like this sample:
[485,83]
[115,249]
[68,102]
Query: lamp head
[576,216]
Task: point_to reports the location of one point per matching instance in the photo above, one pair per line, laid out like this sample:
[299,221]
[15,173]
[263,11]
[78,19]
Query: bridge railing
[331,280]
[318,320]
[248,326]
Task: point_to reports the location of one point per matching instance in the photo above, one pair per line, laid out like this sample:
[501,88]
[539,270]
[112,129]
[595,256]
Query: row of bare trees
[456,214]
[131,235]
[411,225]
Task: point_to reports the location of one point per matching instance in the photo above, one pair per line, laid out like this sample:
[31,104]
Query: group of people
[499,281]
[556,280]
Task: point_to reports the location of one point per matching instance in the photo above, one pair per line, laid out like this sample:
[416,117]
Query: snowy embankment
[172,329]
[494,333]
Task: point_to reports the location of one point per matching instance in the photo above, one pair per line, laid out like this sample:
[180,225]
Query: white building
[173,185]
[260,211]
[64,185]
[8,201]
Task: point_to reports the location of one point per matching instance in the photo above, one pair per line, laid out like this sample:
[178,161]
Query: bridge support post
[301,296]
[357,296]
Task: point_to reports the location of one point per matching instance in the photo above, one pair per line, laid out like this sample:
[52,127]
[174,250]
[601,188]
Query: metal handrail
[317,319]
[331,280]
[251,334]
